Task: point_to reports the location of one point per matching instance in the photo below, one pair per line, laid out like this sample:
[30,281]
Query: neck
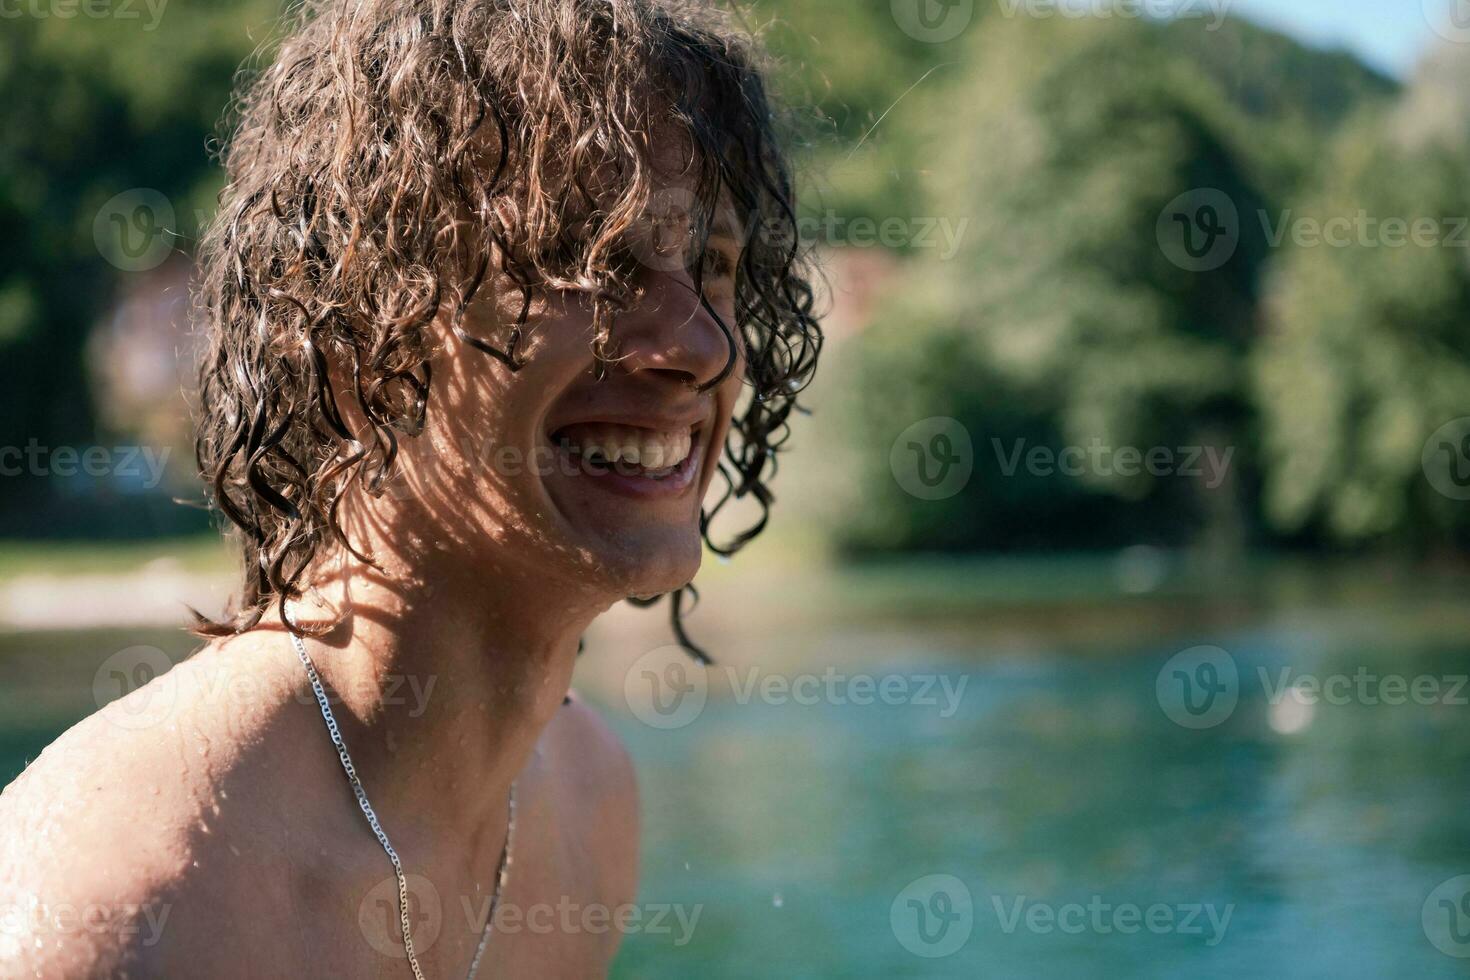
[442,678]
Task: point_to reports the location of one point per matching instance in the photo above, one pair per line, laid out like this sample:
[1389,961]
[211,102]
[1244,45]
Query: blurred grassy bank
[788,583]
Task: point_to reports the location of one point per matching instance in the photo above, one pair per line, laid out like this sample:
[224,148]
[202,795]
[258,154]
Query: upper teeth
[647,448]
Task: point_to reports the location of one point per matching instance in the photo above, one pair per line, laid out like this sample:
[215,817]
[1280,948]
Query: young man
[494,286]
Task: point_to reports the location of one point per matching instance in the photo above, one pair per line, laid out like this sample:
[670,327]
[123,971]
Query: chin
[650,562]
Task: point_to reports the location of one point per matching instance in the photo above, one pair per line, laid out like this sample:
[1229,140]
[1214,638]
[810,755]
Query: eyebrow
[725,225]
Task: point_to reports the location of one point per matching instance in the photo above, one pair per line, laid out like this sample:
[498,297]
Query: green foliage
[93,108]
[1368,351]
[1064,322]
[1051,145]
[1076,137]
[1288,100]
[860,89]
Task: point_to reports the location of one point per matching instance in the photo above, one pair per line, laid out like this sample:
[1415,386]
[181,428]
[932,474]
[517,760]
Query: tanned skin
[229,813]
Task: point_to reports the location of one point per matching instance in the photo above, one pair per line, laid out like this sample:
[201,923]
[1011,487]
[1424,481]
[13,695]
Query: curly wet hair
[400,156]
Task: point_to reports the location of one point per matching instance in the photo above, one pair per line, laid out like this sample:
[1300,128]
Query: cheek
[476,410]
[727,400]
[481,399]
[487,423]
[730,390]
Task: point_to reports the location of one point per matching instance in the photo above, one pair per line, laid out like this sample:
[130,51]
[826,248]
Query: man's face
[549,469]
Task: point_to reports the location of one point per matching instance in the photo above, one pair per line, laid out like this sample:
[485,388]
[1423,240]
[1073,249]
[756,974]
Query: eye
[718,264]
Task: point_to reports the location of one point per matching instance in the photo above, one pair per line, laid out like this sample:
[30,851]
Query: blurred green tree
[1368,351]
[860,88]
[94,108]
[1080,153]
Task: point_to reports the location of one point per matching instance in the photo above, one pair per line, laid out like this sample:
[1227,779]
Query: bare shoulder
[596,779]
[105,829]
[591,751]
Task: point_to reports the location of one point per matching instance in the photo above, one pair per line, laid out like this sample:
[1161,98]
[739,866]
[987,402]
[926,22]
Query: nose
[673,333]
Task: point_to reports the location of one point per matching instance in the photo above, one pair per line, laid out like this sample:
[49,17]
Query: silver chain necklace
[501,873]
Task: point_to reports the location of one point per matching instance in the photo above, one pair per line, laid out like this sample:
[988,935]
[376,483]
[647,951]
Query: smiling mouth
[604,448]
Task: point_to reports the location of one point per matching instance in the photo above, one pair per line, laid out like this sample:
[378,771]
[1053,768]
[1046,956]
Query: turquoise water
[1058,795]
[1060,782]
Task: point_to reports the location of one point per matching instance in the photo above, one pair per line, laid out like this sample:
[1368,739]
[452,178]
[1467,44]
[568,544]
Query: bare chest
[341,914]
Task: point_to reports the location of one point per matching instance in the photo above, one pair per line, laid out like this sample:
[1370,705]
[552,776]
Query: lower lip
[634,485]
